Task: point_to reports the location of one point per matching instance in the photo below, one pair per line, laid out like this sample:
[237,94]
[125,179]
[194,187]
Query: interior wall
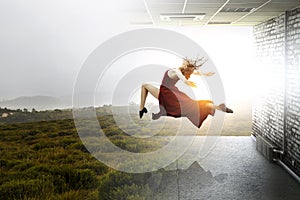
[276,108]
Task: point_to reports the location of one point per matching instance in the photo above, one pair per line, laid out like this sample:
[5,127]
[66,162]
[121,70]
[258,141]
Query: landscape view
[44,45]
[42,156]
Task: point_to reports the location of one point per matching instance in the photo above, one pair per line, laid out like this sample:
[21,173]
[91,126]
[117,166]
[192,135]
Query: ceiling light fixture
[182,16]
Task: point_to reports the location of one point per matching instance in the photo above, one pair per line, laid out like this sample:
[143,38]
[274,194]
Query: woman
[173,102]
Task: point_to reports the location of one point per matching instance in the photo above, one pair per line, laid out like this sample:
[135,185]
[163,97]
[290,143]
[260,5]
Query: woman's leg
[212,108]
[144,92]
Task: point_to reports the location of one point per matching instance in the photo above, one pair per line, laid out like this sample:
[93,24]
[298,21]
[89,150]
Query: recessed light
[182,16]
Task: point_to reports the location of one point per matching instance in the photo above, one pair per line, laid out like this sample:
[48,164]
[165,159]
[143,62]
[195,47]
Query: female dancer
[173,102]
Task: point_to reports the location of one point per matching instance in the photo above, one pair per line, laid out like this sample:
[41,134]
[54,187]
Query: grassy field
[46,160]
[42,157]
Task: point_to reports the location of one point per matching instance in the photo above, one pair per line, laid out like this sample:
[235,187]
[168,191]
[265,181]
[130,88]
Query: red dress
[175,103]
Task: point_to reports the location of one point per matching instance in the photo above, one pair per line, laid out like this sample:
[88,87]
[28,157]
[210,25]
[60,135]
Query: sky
[45,43]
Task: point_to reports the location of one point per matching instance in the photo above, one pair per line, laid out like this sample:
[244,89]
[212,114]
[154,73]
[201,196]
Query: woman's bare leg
[217,107]
[144,93]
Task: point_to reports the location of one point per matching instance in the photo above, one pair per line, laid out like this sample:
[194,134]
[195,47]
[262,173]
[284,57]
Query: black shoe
[228,110]
[225,109]
[155,116]
[144,110]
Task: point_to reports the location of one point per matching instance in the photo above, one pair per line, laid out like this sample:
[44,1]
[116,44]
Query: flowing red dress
[175,103]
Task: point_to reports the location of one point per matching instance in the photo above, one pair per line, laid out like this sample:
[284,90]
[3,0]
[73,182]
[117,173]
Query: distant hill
[36,102]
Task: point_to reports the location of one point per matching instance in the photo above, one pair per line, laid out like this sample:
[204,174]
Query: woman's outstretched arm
[183,79]
[203,74]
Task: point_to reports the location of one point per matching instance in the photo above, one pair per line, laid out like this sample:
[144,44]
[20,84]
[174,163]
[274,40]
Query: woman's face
[189,68]
[188,72]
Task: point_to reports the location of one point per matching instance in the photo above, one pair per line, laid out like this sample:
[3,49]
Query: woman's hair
[188,66]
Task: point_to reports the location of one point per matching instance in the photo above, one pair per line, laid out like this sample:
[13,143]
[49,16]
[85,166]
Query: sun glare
[230,51]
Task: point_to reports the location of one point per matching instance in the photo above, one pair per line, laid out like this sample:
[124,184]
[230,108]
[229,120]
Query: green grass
[46,160]
[42,157]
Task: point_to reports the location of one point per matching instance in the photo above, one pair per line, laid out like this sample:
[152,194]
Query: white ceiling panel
[191,6]
[254,19]
[248,1]
[165,8]
[207,1]
[285,1]
[242,5]
[195,9]
[163,1]
[266,14]
[279,7]
[148,10]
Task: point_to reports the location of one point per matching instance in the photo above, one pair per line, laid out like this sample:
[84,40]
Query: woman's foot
[155,116]
[225,109]
[144,110]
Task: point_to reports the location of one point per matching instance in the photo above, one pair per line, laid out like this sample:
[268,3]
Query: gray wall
[276,109]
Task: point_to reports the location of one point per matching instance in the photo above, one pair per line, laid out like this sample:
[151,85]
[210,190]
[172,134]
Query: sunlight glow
[232,51]
[201,91]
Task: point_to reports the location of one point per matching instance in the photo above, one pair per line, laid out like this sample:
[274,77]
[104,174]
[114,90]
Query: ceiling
[239,12]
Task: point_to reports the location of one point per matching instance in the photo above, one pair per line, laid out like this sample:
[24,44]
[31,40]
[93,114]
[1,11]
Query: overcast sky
[44,43]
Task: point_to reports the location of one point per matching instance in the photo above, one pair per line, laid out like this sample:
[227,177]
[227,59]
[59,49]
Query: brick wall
[269,104]
[276,109]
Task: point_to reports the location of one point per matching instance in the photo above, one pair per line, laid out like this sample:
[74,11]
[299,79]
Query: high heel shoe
[225,109]
[144,110]
[155,116]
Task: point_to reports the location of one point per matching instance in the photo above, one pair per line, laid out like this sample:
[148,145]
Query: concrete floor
[233,170]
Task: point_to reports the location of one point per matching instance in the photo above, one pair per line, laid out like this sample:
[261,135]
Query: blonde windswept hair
[188,66]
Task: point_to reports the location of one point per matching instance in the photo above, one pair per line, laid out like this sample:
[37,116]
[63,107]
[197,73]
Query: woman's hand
[191,83]
[209,74]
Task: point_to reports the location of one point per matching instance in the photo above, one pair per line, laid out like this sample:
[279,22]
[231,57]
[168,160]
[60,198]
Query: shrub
[67,141]
[65,177]
[131,192]
[113,130]
[65,133]
[43,145]
[3,163]
[26,189]
[22,166]
[114,180]
[96,166]
[78,146]
[21,155]
[76,195]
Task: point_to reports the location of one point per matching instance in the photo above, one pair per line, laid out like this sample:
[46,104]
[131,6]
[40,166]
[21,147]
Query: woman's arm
[183,79]
[203,74]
